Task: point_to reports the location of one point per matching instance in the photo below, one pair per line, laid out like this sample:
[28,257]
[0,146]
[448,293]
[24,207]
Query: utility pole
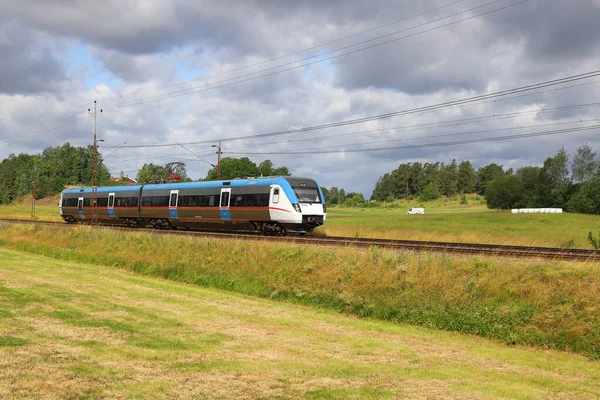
[94,156]
[218,160]
[33,195]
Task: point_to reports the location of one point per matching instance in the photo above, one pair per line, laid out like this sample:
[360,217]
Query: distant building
[127,180]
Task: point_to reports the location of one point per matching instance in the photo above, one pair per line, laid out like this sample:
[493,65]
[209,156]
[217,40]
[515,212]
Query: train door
[80,206]
[224,207]
[173,204]
[111,204]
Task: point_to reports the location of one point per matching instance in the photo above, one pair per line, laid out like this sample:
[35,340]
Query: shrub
[505,191]
[430,192]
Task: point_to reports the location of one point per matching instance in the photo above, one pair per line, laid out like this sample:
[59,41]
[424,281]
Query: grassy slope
[550,304]
[70,330]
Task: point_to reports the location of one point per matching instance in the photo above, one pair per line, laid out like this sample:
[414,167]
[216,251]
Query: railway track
[443,247]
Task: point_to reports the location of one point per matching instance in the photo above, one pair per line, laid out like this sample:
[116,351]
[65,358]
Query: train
[270,205]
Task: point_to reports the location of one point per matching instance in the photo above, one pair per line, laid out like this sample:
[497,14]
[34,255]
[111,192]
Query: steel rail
[413,245]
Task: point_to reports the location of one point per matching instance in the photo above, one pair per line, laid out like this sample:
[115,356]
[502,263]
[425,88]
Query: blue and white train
[270,205]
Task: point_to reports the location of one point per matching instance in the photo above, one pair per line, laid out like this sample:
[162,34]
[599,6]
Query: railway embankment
[551,304]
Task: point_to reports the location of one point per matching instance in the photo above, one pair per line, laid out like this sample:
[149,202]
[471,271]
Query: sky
[188,73]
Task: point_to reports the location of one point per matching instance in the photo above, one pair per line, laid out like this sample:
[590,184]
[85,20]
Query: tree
[430,192]
[584,164]
[466,177]
[232,168]
[326,195]
[487,174]
[529,176]
[334,195]
[281,171]
[505,191]
[587,199]
[448,178]
[356,200]
[341,196]
[151,173]
[383,188]
[265,168]
[553,183]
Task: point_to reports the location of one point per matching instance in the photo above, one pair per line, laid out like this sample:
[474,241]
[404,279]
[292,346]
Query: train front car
[298,205]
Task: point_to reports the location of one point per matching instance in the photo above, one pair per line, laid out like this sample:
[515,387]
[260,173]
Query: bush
[505,191]
[430,192]
[587,200]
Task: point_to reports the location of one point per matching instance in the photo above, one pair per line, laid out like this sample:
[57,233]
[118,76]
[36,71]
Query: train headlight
[297,207]
[324,209]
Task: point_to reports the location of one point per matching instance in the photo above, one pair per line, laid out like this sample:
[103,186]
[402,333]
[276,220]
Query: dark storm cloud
[27,66]
[134,68]
[553,31]
[141,27]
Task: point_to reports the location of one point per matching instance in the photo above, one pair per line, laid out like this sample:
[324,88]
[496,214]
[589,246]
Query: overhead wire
[417,110]
[430,136]
[418,146]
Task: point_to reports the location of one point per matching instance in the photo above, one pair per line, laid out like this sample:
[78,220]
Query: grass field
[83,331]
[469,225]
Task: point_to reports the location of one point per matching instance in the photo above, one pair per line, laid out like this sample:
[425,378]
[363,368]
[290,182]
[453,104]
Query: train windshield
[307,195]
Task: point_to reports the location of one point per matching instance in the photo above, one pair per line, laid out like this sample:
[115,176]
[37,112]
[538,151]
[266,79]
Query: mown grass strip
[189,342]
[549,304]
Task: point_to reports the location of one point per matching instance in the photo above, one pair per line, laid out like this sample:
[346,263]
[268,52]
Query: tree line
[50,171]
[231,168]
[429,181]
[571,184]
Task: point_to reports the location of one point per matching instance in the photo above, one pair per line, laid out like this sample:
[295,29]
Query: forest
[563,182]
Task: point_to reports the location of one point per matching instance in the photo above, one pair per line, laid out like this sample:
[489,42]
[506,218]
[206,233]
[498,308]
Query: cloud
[27,65]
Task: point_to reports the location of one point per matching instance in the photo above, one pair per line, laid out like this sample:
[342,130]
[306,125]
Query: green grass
[473,225]
[191,342]
[23,211]
[536,302]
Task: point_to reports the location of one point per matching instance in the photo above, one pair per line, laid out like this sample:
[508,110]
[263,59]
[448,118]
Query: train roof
[269,180]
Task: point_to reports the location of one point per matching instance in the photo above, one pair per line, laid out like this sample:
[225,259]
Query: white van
[416,211]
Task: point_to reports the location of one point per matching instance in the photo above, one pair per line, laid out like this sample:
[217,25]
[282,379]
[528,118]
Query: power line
[446,134]
[205,88]
[418,110]
[418,146]
[456,122]
[42,132]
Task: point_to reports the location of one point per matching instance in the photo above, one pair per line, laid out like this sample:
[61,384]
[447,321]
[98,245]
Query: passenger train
[277,205]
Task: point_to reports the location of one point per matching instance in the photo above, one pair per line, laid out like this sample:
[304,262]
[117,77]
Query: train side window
[276,196]
[263,200]
[237,200]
